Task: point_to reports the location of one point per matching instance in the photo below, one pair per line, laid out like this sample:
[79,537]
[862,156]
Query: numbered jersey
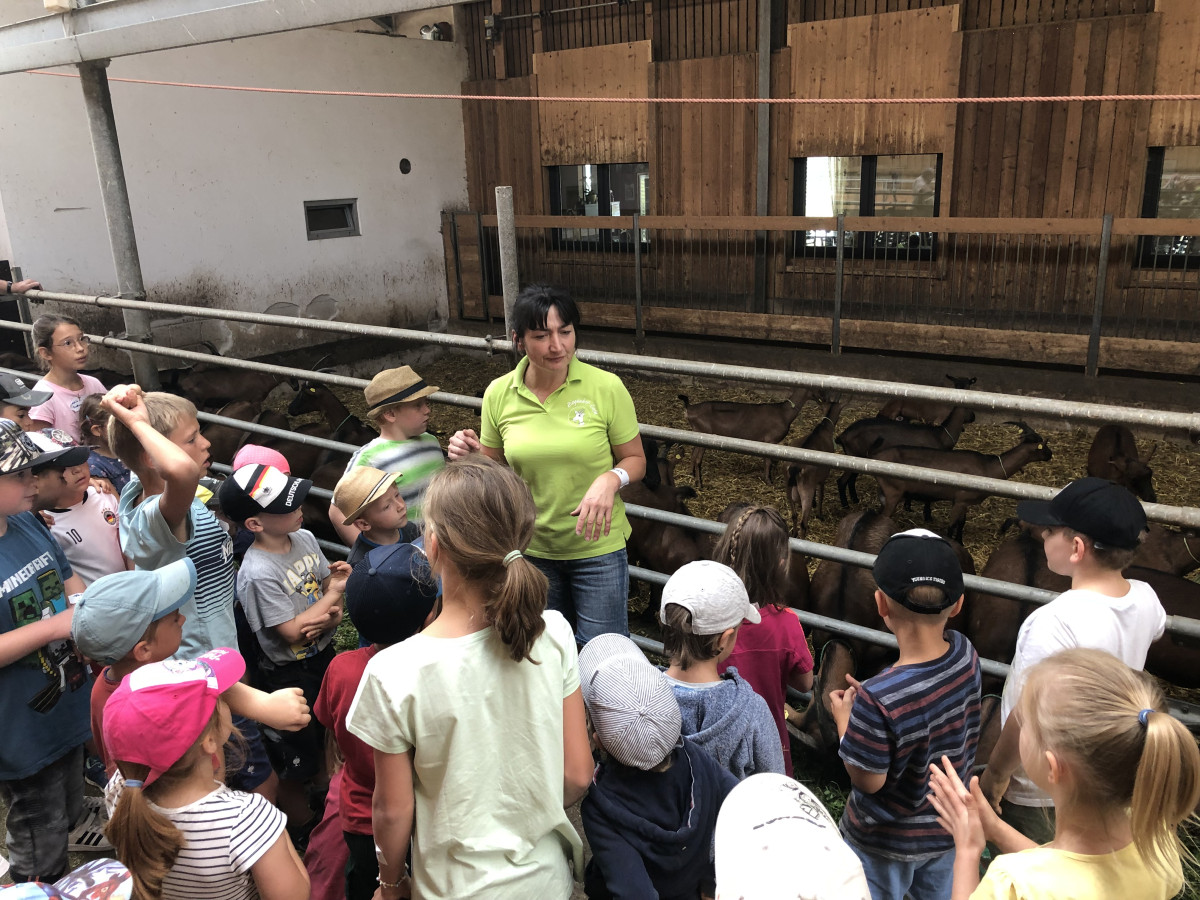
[89,536]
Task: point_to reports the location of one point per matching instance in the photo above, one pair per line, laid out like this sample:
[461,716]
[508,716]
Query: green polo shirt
[558,448]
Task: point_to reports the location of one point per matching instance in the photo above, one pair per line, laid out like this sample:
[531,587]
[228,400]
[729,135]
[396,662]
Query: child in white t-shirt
[82,519]
[1092,529]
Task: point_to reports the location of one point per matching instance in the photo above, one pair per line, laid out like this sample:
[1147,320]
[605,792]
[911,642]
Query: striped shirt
[148,541]
[419,459]
[225,833]
[903,719]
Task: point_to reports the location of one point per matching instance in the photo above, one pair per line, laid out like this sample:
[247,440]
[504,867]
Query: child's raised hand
[841,702]
[126,402]
[958,809]
[285,710]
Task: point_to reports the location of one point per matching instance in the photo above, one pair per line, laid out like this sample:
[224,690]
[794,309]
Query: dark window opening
[611,189]
[1172,192]
[896,186]
[331,218]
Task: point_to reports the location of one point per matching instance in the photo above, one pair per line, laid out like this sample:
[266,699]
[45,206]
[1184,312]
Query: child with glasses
[62,352]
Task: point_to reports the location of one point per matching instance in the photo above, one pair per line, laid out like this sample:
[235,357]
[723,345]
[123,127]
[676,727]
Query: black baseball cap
[918,558]
[1106,512]
[390,593]
[254,490]
[18,392]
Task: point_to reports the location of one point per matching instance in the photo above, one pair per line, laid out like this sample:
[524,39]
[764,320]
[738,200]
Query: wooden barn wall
[1177,71]
[975,13]
[912,54]
[1063,159]
[502,144]
[594,132]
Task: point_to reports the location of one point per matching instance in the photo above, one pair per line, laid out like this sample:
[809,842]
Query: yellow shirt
[1048,874]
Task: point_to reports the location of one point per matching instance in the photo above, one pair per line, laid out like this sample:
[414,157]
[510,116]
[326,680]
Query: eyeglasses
[72,343]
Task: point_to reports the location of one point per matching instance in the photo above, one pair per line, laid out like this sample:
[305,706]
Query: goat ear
[1150,455]
[293,383]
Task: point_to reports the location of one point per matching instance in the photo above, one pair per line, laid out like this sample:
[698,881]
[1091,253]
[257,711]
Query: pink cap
[258,455]
[161,710]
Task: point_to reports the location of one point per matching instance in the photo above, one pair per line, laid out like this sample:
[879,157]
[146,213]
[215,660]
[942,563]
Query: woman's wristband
[621,474]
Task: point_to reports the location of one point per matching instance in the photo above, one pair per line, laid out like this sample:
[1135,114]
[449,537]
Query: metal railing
[1078,280]
[1059,409]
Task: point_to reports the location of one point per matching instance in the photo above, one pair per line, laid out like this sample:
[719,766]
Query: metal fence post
[839,273]
[506,232]
[483,274]
[24,314]
[458,274]
[1093,353]
[639,334]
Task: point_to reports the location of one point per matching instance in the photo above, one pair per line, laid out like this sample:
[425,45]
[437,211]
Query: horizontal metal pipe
[308,440]
[983,400]
[1175,624]
[810,620]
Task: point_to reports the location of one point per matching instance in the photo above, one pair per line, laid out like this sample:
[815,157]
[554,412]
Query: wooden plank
[1056,146]
[1073,126]
[1177,70]
[1011,141]
[571,134]
[1043,117]
[1118,34]
[1089,132]
[941,224]
[1001,60]
[1128,160]
[1025,141]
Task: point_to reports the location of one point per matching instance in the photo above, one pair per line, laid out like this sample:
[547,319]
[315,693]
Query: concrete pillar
[98,101]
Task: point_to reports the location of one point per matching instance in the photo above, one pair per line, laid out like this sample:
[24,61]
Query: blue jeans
[592,593]
[922,879]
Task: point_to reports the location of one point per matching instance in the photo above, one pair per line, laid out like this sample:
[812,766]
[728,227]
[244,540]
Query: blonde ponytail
[1109,724]
[481,512]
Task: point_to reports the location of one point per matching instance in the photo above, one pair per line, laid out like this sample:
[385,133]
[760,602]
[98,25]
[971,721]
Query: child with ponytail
[175,825]
[772,655]
[477,723]
[1123,773]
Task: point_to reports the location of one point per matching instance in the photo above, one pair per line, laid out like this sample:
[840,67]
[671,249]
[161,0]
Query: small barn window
[604,190]
[896,186]
[331,219]
[1172,192]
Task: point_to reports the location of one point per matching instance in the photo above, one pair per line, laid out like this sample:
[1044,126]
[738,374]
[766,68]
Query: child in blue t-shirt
[44,686]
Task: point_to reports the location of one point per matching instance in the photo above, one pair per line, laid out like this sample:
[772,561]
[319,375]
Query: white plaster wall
[218,179]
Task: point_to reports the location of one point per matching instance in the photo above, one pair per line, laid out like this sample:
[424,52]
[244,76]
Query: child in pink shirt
[62,350]
[773,654]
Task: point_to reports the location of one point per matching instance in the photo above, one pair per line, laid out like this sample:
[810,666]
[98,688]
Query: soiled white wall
[218,179]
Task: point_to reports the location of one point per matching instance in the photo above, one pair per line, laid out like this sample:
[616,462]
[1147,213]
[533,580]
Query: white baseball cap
[714,595]
[776,841]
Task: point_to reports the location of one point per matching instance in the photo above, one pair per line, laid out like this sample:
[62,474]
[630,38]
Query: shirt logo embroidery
[577,418]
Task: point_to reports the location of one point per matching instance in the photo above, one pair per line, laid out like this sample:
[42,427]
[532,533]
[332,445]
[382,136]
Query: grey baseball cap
[20,392]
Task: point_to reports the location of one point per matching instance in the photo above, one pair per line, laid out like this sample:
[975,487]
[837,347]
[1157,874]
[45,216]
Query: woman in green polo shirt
[571,432]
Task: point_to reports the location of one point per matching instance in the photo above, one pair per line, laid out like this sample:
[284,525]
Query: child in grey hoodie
[703,605]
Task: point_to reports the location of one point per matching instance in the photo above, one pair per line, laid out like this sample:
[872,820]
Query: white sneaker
[89,833]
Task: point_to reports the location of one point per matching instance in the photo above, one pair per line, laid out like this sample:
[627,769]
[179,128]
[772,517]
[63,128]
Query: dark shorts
[297,755]
[249,755]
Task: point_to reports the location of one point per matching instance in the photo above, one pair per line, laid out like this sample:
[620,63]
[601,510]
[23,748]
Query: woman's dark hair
[533,305]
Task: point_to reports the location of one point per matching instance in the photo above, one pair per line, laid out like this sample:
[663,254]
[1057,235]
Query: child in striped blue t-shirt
[911,714]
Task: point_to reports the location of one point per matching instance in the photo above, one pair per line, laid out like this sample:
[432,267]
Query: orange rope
[798,101]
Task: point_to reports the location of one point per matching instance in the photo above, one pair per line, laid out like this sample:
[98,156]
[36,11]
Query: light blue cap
[116,610]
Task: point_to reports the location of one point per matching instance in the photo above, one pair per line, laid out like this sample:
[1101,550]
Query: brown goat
[226,439]
[816,729]
[1173,657]
[806,481]
[766,422]
[343,425]
[211,386]
[1169,550]
[931,412]
[654,545]
[993,622]
[1114,457]
[870,437]
[1031,448]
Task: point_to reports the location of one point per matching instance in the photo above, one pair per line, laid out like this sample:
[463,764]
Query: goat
[1169,550]
[869,437]
[211,386]
[806,481]
[931,412]
[1114,457]
[1031,448]
[659,547]
[344,426]
[660,463]
[303,459]
[226,439]
[816,729]
[1173,657]
[766,422]
[989,728]
[993,622]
